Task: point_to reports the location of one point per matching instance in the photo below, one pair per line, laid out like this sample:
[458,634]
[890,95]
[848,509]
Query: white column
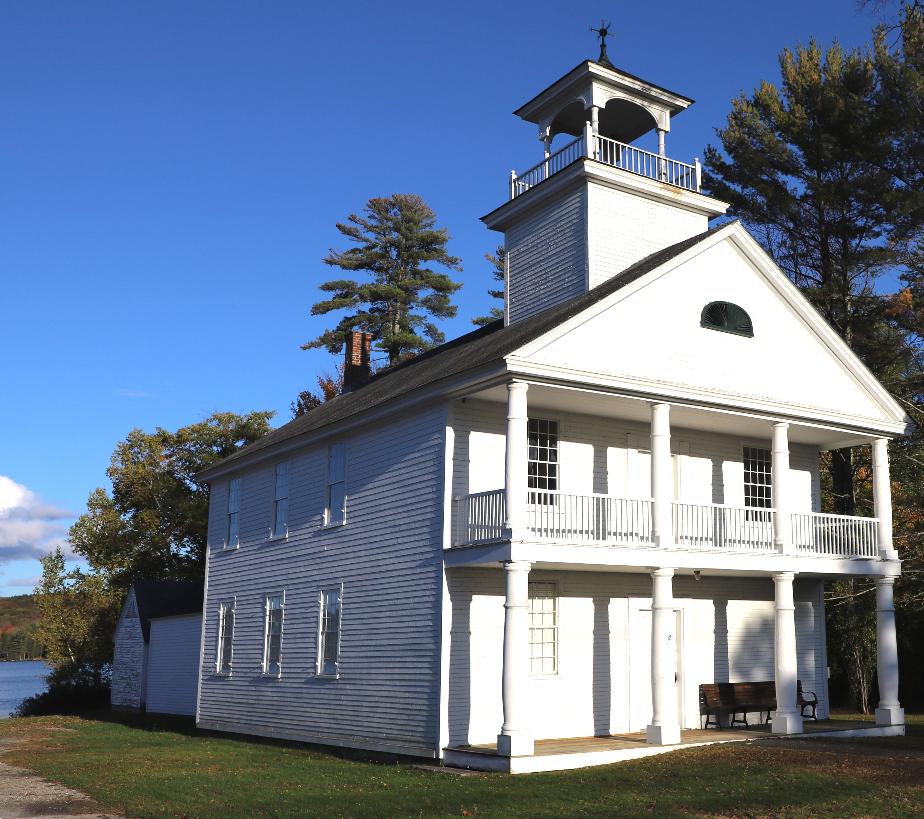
[517,455]
[889,711]
[779,489]
[590,141]
[882,498]
[661,148]
[662,476]
[665,724]
[595,119]
[515,738]
[787,718]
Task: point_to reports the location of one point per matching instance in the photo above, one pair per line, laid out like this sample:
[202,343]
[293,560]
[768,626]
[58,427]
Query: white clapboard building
[560,525]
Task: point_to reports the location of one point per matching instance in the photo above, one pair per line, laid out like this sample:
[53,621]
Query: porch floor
[579,752]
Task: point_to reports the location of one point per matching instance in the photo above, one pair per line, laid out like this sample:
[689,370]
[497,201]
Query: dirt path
[23,794]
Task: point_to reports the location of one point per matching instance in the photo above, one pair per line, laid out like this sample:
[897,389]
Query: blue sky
[171,172]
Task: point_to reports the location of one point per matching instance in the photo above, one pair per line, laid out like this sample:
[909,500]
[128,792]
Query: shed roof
[166,598]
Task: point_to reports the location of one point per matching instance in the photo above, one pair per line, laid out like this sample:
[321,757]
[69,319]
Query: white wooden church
[572,523]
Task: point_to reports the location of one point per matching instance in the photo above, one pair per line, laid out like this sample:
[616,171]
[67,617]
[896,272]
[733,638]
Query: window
[272,635]
[757,481]
[726,318]
[225,638]
[329,633]
[543,628]
[336,485]
[543,458]
[281,502]
[234,510]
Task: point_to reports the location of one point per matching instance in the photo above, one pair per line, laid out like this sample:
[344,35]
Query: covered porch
[581,752]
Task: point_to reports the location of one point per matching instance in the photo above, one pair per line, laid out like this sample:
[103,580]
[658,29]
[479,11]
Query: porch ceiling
[630,408]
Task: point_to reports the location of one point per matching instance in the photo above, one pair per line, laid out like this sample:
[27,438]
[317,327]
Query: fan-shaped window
[728,318]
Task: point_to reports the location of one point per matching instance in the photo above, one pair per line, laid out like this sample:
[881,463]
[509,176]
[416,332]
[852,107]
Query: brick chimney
[356,367]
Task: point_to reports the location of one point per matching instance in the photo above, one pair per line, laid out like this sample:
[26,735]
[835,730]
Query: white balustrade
[835,535]
[615,154]
[602,519]
[715,526]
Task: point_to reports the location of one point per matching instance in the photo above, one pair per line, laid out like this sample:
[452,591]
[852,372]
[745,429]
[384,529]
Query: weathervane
[603,32]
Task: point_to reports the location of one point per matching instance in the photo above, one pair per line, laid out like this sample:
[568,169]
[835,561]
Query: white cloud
[29,528]
[127,393]
[24,582]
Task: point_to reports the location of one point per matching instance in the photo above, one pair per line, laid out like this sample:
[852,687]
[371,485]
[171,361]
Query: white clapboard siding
[173,664]
[624,227]
[546,255]
[610,456]
[388,557]
[603,681]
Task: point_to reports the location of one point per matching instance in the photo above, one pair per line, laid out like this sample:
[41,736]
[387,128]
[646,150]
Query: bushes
[70,690]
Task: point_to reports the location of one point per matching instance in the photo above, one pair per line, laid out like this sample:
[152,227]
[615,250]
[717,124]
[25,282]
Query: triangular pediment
[648,337]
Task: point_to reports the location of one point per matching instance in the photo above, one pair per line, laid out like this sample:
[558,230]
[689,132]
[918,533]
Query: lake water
[19,680]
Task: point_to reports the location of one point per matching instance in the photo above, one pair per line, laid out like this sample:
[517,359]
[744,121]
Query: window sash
[542,464]
[758,470]
[272,640]
[232,532]
[335,511]
[225,638]
[543,628]
[331,610]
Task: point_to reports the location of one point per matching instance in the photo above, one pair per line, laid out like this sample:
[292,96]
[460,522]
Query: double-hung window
[542,467]
[329,632]
[225,638]
[272,634]
[757,483]
[281,501]
[543,628]
[232,532]
[335,511]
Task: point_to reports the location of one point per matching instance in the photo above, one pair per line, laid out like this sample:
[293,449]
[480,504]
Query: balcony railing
[561,517]
[835,535]
[616,155]
[714,526]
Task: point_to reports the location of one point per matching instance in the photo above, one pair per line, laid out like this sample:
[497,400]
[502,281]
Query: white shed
[157,640]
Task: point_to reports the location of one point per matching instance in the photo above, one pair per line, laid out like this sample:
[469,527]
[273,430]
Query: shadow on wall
[602,684]
[460,664]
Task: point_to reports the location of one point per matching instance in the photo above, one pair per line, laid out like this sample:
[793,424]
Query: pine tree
[396,239]
[498,264]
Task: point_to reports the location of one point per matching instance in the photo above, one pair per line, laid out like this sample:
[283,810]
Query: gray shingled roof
[483,346]
[166,598]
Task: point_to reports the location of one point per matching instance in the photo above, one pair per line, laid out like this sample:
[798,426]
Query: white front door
[640,664]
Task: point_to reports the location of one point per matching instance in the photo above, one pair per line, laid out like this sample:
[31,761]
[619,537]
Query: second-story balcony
[603,520]
[615,154]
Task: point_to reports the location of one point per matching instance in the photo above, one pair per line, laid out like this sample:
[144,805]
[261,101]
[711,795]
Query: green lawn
[151,767]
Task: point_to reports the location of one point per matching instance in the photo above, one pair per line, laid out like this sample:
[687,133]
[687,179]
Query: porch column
[517,454]
[515,738]
[787,718]
[595,119]
[889,711]
[882,498]
[661,149]
[662,476]
[665,724]
[779,486]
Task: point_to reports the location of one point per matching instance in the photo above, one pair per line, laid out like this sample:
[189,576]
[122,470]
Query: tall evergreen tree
[497,259]
[396,240]
[827,170]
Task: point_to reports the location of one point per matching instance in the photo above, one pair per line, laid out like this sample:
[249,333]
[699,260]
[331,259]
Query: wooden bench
[733,699]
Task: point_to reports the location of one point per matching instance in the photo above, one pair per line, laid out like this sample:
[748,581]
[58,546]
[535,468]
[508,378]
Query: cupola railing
[615,154]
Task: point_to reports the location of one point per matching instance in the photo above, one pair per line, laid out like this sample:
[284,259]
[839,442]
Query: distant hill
[18,626]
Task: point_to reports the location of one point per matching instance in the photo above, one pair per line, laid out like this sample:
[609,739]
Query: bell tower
[598,203]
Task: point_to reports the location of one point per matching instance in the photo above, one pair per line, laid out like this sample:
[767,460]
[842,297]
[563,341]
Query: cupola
[598,203]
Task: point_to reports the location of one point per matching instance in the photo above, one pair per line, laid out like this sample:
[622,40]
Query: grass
[161,767]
